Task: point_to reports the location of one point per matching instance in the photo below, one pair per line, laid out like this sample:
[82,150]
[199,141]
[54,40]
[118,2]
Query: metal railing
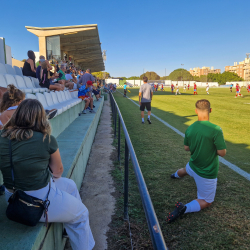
[153,224]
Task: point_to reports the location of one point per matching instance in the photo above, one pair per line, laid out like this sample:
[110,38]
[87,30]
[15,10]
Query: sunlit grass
[230,113]
[160,152]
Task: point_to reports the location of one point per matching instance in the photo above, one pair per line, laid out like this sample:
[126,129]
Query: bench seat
[75,135]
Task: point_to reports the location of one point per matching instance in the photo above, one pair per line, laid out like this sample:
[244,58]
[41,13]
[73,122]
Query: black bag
[24,208]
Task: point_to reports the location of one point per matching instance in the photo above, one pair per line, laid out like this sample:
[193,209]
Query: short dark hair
[203,104]
[145,79]
[68,71]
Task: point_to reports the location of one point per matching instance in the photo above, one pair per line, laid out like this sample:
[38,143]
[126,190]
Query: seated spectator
[33,150]
[74,79]
[78,75]
[106,88]
[63,79]
[84,94]
[29,67]
[68,75]
[96,91]
[38,69]
[10,101]
[45,81]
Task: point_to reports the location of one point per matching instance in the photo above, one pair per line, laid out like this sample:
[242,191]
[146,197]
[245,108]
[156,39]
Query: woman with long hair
[29,67]
[34,153]
[9,103]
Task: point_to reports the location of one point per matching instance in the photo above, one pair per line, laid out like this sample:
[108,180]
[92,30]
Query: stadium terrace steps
[75,135]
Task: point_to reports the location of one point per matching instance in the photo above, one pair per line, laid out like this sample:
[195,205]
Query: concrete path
[98,184]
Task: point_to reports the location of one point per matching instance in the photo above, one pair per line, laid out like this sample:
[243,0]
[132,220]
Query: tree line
[184,75]
[180,75]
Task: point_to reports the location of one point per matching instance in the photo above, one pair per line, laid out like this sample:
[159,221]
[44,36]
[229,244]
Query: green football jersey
[204,139]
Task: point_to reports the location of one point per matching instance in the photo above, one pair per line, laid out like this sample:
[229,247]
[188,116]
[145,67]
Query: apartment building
[242,69]
[203,71]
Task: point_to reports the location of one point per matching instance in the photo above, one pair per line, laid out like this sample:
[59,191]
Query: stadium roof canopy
[81,42]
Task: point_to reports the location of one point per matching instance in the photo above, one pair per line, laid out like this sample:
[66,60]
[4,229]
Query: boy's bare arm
[186,148]
[221,152]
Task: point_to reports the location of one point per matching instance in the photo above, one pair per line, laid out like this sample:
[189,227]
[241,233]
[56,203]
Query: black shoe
[179,211]
[65,235]
[173,176]
[51,113]
[142,122]
[149,121]
[2,189]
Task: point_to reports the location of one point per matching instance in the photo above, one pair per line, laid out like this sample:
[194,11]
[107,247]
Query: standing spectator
[86,77]
[29,67]
[145,98]
[32,142]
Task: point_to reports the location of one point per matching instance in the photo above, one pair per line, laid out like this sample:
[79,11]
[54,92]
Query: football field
[160,152]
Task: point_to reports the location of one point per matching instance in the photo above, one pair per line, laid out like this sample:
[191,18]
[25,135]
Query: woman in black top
[29,67]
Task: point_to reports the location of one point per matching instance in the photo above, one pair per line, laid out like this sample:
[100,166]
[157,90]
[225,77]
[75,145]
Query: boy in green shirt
[205,142]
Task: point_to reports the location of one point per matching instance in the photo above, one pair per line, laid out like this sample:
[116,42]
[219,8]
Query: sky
[140,35]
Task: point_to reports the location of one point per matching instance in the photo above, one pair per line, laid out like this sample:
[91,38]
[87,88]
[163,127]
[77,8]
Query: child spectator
[84,94]
[46,81]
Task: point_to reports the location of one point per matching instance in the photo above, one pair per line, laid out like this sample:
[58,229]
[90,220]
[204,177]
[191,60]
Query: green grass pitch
[160,152]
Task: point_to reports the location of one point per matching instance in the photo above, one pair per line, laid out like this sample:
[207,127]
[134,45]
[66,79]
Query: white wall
[112,81]
[131,82]
[8,55]
[242,83]
[138,82]
[2,54]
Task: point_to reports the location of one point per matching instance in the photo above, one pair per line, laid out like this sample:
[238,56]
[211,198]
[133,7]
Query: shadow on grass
[237,153]
[225,225]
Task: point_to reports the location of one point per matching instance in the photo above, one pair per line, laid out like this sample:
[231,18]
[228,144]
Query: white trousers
[206,188]
[66,207]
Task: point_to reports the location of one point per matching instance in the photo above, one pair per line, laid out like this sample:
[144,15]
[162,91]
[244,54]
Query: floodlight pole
[165,72]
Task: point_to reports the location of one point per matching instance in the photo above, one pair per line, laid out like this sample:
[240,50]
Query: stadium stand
[74,134]
[18,71]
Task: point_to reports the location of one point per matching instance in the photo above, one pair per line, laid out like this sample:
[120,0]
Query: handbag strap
[11,165]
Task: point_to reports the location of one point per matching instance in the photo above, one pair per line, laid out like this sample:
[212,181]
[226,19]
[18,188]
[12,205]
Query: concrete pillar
[42,46]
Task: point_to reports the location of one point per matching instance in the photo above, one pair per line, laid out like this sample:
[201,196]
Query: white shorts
[206,188]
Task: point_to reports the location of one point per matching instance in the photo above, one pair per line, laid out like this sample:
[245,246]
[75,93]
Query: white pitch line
[222,160]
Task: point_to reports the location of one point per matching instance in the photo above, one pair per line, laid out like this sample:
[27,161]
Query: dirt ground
[98,186]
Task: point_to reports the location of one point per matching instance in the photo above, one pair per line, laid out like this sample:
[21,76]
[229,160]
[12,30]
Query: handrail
[153,224]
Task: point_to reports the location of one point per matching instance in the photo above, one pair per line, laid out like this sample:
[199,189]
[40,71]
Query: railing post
[115,119]
[119,137]
[126,182]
